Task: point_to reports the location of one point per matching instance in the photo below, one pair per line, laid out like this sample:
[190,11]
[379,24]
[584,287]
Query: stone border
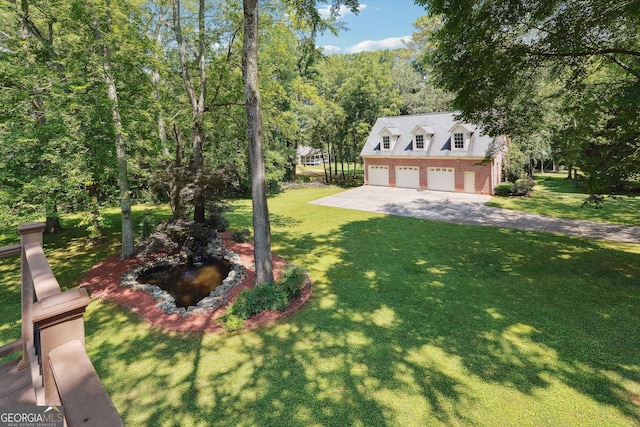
[165,301]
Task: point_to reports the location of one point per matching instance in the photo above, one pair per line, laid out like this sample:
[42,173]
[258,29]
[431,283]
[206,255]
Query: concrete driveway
[462,208]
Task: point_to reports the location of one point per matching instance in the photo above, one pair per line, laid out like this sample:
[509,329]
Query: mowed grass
[556,196]
[411,323]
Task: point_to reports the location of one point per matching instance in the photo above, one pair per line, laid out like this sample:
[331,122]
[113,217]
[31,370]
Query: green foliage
[503,189]
[547,71]
[523,186]
[292,280]
[241,236]
[557,196]
[268,296]
[147,225]
[232,322]
[540,319]
[256,300]
[95,222]
[513,163]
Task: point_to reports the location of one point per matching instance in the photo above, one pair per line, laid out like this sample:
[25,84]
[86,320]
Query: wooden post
[29,233]
[59,320]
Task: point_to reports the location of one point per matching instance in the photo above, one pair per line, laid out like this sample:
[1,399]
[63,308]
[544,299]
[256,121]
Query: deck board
[16,385]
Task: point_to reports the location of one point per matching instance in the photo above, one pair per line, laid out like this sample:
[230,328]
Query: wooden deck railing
[53,339]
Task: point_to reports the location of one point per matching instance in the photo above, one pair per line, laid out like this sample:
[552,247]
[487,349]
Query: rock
[196,242]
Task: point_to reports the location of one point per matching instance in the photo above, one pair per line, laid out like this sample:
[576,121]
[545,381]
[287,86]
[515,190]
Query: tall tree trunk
[324,166]
[196,100]
[177,185]
[155,79]
[261,225]
[52,222]
[128,248]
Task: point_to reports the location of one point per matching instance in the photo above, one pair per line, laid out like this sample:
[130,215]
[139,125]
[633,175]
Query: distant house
[432,152]
[309,156]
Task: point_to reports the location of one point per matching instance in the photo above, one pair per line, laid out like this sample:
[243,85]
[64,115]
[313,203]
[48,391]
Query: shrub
[232,323]
[218,221]
[292,280]
[147,225]
[523,186]
[241,236]
[259,299]
[268,296]
[503,189]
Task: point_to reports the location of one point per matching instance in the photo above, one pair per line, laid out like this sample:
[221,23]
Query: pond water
[189,283]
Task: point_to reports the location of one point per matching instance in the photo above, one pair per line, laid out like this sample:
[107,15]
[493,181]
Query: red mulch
[103,281]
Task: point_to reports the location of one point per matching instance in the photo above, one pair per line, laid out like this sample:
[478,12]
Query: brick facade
[486,176]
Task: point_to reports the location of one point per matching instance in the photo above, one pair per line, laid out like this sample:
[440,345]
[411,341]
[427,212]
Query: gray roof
[440,124]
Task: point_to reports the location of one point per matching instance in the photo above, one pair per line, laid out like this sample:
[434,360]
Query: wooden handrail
[53,338]
[84,398]
[44,281]
[10,250]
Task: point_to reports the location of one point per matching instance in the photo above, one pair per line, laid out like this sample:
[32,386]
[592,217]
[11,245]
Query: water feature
[189,283]
[196,275]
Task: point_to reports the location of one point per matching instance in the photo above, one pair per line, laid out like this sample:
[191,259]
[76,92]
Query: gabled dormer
[460,137]
[388,137]
[421,136]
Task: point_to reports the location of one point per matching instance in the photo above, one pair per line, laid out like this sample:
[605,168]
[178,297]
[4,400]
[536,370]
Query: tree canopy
[500,57]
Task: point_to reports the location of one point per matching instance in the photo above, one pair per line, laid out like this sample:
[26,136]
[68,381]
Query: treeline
[101,101]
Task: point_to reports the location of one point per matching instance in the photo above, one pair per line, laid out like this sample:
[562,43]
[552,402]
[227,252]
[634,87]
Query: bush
[268,296]
[259,299]
[293,280]
[523,186]
[147,225]
[218,221]
[241,236]
[503,189]
[232,323]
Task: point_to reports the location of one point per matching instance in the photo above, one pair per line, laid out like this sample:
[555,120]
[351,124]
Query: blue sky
[381,24]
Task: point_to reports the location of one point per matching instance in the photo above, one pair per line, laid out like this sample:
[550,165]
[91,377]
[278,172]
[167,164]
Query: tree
[413,76]
[261,225]
[493,56]
[102,23]
[197,96]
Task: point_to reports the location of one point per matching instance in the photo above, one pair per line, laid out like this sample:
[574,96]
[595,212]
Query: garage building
[432,152]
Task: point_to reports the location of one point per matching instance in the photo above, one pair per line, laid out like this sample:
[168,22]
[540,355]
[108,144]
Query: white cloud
[384,44]
[325,10]
[328,50]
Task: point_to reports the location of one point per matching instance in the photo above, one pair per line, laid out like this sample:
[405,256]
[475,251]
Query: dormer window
[388,138]
[386,142]
[421,137]
[460,137]
[458,141]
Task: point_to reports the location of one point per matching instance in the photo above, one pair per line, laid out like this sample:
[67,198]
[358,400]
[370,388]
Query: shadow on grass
[408,318]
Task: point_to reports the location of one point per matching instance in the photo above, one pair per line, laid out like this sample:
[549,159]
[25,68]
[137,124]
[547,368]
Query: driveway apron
[462,208]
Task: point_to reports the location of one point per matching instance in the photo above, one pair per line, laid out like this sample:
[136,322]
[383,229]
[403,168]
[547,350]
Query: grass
[412,322]
[556,196]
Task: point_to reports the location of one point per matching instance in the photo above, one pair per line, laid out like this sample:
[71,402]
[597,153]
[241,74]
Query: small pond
[188,283]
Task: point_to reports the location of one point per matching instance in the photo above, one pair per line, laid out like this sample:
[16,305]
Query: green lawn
[556,196]
[411,323]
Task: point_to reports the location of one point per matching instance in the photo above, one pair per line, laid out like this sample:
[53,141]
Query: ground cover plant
[412,322]
[556,196]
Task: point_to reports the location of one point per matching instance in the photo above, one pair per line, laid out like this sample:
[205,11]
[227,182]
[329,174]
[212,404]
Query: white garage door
[378,175]
[441,179]
[407,176]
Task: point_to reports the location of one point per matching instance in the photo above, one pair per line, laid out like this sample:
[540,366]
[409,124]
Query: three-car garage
[406,176]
